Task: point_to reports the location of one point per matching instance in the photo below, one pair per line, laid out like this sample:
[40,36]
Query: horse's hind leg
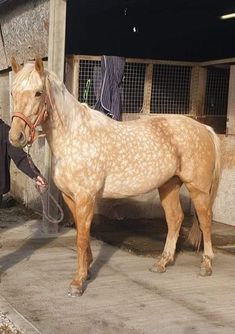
[169,196]
[203,207]
[82,211]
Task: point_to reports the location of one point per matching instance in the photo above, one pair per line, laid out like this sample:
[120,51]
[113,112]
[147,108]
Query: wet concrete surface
[123,296]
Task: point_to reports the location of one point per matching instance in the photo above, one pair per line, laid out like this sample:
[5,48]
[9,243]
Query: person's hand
[41,183]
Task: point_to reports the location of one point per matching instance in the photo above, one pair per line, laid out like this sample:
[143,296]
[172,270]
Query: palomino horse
[94,156]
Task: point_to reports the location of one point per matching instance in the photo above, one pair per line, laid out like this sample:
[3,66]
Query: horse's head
[29,102]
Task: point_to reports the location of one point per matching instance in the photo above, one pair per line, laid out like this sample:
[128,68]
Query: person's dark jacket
[19,156]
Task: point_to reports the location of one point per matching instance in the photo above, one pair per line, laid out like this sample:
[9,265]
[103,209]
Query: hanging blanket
[109,94]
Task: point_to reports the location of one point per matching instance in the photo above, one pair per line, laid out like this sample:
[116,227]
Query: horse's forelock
[27,78]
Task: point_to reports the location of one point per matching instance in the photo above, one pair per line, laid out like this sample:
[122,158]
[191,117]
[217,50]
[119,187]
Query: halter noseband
[41,118]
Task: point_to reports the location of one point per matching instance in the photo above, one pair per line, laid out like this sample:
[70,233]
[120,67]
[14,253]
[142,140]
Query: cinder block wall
[4,97]
[143,206]
[224,207]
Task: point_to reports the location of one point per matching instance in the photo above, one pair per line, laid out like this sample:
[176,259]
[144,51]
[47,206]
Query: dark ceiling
[166,29]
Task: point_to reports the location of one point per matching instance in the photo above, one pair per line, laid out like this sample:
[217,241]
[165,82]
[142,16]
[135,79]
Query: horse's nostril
[17,138]
[21,137]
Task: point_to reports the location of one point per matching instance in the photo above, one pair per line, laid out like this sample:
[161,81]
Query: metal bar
[148,88]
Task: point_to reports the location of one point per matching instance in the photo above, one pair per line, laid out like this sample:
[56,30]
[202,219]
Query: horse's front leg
[82,209]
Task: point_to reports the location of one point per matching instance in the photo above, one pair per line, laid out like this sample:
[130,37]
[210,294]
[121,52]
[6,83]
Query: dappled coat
[8,152]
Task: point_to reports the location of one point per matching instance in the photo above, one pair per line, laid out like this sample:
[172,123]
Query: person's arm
[21,160]
[25,164]
[19,156]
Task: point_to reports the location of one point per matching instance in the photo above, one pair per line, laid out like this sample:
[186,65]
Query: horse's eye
[37,94]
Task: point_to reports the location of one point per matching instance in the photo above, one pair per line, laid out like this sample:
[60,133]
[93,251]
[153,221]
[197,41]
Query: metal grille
[171,89]
[216,99]
[133,87]
[89,81]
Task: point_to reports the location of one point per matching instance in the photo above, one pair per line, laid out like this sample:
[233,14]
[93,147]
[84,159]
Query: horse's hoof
[75,291]
[205,272]
[157,269]
[206,267]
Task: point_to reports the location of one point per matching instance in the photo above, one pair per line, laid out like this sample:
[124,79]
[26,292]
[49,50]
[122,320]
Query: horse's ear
[39,66]
[14,65]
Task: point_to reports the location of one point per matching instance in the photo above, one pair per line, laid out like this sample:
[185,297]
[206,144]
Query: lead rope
[45,195]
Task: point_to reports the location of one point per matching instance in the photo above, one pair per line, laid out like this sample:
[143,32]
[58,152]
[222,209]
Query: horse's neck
[65,113]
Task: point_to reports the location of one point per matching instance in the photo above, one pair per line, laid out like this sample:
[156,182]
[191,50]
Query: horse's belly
[140,169]
[118,185]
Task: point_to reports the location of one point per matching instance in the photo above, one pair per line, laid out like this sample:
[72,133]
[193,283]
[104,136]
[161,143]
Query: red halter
[41,118]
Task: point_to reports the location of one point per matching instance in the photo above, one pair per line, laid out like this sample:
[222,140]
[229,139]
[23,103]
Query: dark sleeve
[21,160]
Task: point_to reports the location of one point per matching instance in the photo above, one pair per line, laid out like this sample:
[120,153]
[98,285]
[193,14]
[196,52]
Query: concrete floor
[123,296]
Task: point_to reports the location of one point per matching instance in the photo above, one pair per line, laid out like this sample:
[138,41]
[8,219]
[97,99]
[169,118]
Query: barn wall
[24,32]
[4,96]
[3,59]
[224,208]
[143,206]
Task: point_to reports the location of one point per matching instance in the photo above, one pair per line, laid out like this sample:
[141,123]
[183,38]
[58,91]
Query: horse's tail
[195,234]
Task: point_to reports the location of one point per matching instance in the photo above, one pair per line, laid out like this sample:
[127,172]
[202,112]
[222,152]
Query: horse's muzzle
[18,139]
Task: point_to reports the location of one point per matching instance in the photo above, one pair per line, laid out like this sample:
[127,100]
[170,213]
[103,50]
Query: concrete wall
[224,207]
[24,31]
[24,34]
[143,206]
[4,96]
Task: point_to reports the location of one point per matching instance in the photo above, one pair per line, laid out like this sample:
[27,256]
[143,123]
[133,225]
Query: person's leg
[7,201]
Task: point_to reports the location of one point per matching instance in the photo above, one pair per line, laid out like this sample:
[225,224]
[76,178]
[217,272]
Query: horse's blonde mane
[72,111]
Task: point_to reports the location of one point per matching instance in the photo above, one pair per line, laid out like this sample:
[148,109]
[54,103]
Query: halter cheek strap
[41,118]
